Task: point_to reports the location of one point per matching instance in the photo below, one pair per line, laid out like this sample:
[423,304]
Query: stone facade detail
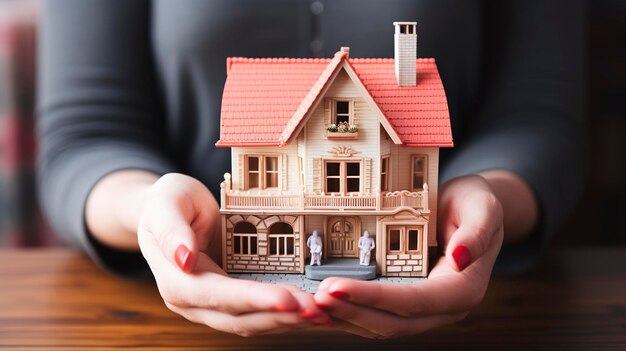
[404,265]
[263,261]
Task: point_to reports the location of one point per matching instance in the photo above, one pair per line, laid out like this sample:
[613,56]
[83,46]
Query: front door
[343,236]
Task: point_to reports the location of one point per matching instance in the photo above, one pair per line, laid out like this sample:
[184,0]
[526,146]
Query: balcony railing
[251,200]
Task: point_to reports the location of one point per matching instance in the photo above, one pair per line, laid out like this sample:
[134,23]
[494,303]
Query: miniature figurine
[314,243]
[353,146]
[366,245]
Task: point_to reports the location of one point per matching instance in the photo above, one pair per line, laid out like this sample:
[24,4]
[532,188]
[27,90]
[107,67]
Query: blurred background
[599,218]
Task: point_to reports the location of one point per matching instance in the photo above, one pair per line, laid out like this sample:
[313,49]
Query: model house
[339,145]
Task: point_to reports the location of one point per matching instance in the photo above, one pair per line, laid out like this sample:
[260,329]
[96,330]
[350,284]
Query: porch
[341,267]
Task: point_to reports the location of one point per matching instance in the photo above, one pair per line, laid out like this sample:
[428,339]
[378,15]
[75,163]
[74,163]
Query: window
[404,239]
[384,174]
[343,177]
[261,172]
[342,112]
[244,239]
[418,170]
[413,239]
[271,172]
[253,172]
[393,239]
[281,239]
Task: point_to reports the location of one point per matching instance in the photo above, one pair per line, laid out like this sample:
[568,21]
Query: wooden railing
[242,200]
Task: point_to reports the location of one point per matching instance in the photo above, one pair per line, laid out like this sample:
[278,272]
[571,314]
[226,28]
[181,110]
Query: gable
[345,83]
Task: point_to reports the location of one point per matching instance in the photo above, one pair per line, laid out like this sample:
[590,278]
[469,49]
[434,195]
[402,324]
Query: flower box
[342,135]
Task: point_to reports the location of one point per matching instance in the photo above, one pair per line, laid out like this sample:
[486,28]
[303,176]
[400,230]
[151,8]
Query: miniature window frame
[343,176]
[253,249]
[420,235]
[281,238]
[385,168]
[400,241]
[349,114]
[262,171]
[423,173]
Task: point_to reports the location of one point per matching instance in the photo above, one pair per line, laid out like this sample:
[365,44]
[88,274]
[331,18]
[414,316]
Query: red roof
[265,100]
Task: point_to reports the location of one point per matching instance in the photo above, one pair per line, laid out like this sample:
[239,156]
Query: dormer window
[342,112]
[340,119]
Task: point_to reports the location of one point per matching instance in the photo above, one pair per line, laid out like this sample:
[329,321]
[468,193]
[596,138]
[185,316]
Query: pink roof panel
[264,100]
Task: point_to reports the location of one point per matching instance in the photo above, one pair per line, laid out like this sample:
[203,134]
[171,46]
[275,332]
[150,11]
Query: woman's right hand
[179,219]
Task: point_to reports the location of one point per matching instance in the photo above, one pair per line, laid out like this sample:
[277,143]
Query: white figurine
[366,245]
[315,245]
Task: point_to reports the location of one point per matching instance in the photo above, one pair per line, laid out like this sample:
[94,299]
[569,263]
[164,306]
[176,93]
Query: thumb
[176,238]
[480,219]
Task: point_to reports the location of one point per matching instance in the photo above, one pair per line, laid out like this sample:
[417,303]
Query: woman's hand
[470,234]
[178,221]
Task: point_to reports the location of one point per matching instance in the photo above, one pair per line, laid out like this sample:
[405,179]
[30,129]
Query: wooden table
[56,299]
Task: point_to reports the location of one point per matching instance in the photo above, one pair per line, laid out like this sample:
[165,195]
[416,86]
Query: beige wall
[401,177]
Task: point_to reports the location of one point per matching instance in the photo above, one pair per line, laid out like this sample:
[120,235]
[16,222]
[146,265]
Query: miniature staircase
[341,267]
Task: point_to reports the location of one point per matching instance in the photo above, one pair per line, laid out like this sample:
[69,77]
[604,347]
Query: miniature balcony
[259,201]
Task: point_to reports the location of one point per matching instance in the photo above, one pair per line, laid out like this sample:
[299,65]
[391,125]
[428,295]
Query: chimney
[405,52]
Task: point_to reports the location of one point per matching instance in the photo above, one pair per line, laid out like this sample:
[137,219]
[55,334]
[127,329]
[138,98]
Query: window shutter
[328,112]
[367,177]
[317,175]
[242,168]
[283,172]
[353,113]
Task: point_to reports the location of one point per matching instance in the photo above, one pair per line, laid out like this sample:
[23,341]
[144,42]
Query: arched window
[244,239]
[281,239]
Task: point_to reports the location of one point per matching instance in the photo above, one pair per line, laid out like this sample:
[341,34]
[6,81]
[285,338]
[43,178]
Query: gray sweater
[137,84]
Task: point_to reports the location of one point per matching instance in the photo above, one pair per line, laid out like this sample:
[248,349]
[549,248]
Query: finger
[172,229]
[393,298]
[353,329]
[246,325]
[480,220]
[446,291]
[383,324]
[309,310]
[211,289]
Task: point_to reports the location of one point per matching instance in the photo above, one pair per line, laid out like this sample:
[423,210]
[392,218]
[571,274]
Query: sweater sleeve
[98,112]
[531,120]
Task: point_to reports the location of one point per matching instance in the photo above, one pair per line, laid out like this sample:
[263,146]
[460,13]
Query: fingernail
[322,306]
[182,257]
[339,295]
[462,257]
[308,314]
[279,308]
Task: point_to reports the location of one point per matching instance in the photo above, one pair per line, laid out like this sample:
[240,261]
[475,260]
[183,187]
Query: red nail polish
[308,314]
[182,257]
[322,306]
[339,295]
[462,257]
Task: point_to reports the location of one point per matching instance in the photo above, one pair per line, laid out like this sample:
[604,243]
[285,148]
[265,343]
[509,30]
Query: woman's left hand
[470,233]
